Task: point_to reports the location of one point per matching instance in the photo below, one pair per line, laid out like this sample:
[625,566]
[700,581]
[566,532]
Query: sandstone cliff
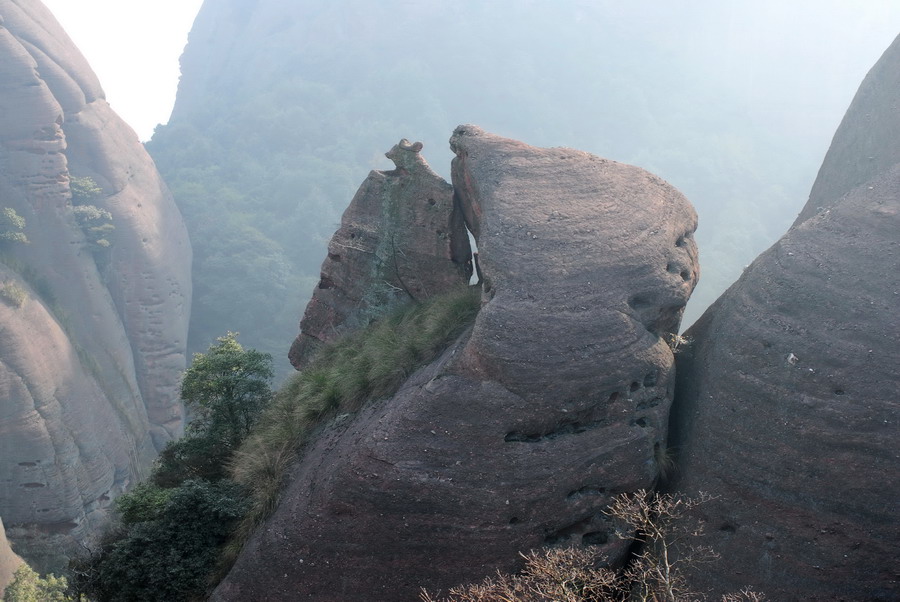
[9,562]
[787,404]
[519,435]
[400,239]
[93,335]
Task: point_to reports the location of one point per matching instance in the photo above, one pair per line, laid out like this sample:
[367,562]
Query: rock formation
[9,562]
[519,435]
[400,239]
[788,400]
[93,334]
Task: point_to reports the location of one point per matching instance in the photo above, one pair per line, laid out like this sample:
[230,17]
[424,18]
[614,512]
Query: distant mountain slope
[283,105]
[95,294]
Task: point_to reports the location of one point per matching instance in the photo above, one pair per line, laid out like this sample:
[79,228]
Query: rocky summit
[94,295]
[520,433]
[787,403]
[401,239]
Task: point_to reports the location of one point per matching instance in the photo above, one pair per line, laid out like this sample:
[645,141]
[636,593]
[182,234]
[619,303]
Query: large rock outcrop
[518,436]
[9,561]
[92,337]
[400,239]
[788,401]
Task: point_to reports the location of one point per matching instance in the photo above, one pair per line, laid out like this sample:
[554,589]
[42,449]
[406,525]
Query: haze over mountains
[284,106]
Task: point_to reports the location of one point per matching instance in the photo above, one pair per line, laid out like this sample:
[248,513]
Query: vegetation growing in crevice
[13,294]
[96,223]
[12,226]
[369,364]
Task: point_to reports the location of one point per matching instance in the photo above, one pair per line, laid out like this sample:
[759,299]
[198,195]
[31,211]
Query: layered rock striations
[520,434]
[92,334]
[400,240]
[788,401]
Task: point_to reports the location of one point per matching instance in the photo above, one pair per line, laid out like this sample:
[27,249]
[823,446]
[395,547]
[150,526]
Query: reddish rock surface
[788,401]
[399,239]
[9,562]
[90,363]
[518,436]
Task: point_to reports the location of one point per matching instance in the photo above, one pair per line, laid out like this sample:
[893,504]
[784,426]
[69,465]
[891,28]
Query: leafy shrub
[143,503]
[11,226]
[96,223]
[169,556]
[84,190]
[13,294]
[28,586]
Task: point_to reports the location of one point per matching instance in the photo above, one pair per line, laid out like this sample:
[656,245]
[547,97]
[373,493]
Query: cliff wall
[788,400]
[93,333]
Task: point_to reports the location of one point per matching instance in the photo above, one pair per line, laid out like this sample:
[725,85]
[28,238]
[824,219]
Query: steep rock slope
[788,402]
[400,239]
[93,336]
[865,144]
[9,562]
[519,435]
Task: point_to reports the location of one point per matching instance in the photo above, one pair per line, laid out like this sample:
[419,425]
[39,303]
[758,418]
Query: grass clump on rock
[368,364]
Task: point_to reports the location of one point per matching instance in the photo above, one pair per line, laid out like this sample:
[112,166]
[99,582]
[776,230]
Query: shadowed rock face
[89,364]
[788,400]
[518,436]
[400,239]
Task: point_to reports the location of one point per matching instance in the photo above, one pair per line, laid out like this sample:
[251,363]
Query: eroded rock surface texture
[90,359]
[9,561]
[518,436]
[788,400]
[400,240]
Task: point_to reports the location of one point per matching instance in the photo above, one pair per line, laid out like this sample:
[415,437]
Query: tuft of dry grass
[369,364]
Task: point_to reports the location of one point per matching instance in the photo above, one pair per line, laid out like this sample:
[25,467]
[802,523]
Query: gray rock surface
[788,401]
[89,364]
[518,436]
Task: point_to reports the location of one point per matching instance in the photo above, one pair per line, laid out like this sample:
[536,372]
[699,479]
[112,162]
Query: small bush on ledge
[13,294]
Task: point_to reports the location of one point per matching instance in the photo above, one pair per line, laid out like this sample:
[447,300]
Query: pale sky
[133,46]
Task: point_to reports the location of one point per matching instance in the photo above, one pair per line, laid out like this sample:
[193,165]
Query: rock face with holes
[788,400]
[92,336]
[400,239]
[519,435]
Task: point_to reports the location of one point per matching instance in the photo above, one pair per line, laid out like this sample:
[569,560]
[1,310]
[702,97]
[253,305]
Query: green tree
[169,553]
[227,387]
[84,190]
[11,226]
[96,223]
[226,390]
[28,586]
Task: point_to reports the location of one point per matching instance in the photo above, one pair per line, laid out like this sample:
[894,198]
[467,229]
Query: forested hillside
[284,106]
